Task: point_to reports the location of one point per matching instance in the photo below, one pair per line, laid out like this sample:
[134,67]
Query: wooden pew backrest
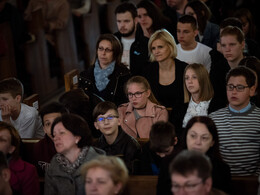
[71,79]
[33,101]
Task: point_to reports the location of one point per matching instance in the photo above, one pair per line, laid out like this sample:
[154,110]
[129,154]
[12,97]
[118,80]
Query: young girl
[198,96]
[142,110]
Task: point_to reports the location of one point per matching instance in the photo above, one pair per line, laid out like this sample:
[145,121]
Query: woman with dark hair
[151,18]
[208,32]
[72,139]
[201,135]
[107,76]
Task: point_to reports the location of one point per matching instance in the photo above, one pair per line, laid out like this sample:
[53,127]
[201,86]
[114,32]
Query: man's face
[239,100]
[231,48]
[174,3]
[186,34]
[126,24]
[190,184]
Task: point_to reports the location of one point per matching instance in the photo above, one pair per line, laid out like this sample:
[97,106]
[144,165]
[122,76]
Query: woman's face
[144,19]
[65,142]
[192,82]
[137,95]
[5,142]
[160,50]
[99,182]
[199,138]
[191,12]
[105,53]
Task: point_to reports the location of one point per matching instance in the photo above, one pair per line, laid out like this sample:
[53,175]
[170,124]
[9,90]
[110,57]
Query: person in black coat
[106,78]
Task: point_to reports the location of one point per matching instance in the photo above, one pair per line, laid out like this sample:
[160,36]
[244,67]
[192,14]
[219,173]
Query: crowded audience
[186,115]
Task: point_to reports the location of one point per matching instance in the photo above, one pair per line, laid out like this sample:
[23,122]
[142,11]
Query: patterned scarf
[69,167]
[101,75]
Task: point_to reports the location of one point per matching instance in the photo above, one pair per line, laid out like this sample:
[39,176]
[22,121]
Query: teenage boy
[114,141]
[161,144]
[135,45]
[23,117]
[188,49]
[238,124]
[44,150]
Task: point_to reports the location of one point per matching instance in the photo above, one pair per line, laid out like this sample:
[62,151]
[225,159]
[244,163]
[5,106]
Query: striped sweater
[239,139]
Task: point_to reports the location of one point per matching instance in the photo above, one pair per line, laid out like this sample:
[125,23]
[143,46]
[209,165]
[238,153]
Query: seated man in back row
[238,124]
[24,118]
[191,174]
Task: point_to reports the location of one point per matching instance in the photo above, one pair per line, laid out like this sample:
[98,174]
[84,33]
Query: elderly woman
[165,74]
[105,175]
[107,77]
[72,139]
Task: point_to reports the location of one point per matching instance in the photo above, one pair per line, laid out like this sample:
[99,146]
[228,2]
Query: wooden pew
[142,141]
[33,101]
[71,79]
[7,61]
[141,184]
[244,185]
[27,145]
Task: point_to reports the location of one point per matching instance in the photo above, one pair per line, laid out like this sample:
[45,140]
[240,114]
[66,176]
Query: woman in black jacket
[106,78]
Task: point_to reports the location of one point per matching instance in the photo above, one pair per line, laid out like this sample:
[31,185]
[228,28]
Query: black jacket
[124,146]
[114,90]
[138,51]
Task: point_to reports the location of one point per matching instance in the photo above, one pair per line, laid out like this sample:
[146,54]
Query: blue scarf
[101,75]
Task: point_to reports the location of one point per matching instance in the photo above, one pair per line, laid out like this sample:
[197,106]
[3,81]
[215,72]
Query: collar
[149,108]
[243,110]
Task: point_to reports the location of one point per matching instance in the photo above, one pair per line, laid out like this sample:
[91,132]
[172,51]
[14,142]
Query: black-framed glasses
[188,187]
[109,118]
[107,50]
[239,88]
[137,94]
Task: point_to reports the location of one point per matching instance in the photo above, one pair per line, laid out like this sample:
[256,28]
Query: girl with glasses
[142,110]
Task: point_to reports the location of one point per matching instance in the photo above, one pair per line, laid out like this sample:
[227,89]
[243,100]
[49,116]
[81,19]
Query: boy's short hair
[54,107]
[242,71]
[102,108]
[190,20]
[189,162]
[162,136]
[12,86]
[126,7]
[235,31]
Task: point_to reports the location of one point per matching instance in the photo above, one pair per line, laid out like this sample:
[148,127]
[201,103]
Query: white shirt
[126,51]
[28,123]
[198,55]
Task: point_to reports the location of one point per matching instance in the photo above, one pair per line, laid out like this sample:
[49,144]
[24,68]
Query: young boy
[44,150]
[161,144]
[24,118]
[238,124]
[114,141]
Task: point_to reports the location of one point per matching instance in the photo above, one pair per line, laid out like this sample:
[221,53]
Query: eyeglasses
[136,94]
[107,50]
[239,88]
[109,118]
[188,187]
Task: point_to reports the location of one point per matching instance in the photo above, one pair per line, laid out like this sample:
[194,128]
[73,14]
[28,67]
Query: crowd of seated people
[201,111]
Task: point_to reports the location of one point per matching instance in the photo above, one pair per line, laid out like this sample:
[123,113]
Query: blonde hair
[206,91]
[114,165]
[142,81]
[165,36]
